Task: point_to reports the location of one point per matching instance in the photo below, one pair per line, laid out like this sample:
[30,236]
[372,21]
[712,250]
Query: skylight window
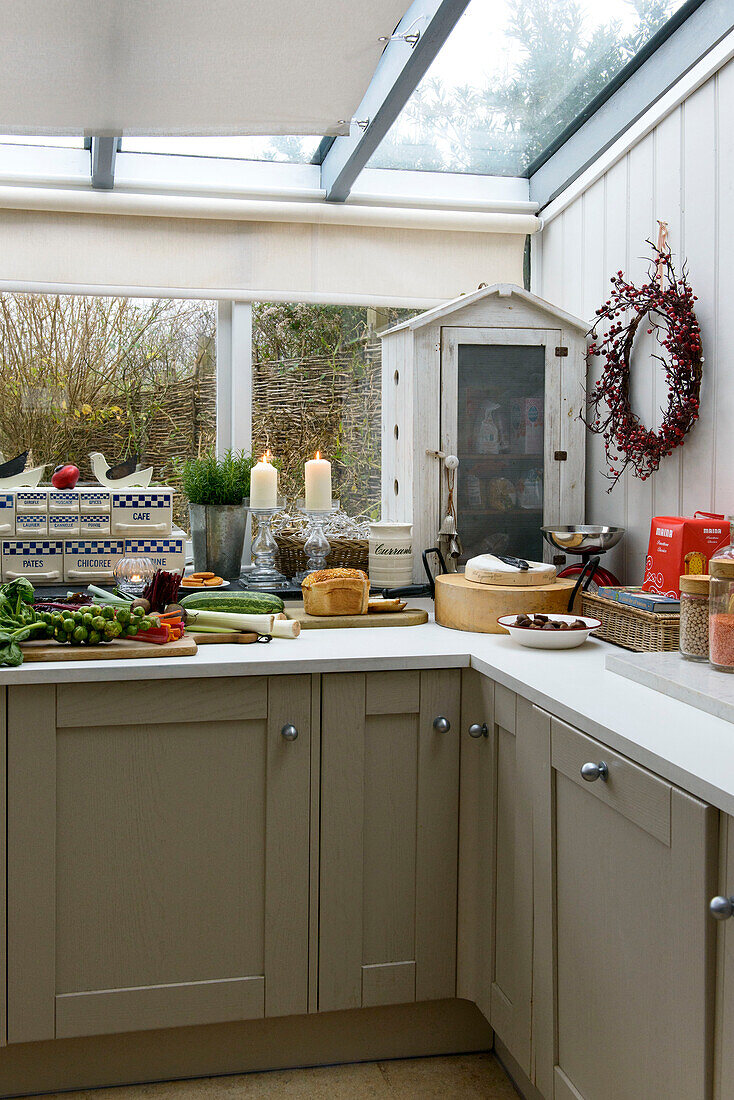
[288,149]
[511,77]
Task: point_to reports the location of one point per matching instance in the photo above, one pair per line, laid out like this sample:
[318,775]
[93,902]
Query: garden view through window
[138,376]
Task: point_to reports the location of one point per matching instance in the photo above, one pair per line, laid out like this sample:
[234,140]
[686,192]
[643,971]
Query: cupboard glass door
[494,420]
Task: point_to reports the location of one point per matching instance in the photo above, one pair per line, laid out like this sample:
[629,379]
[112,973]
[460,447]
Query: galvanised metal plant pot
[218,537]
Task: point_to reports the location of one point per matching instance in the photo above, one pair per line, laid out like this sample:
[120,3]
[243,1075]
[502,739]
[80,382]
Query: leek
[107,597]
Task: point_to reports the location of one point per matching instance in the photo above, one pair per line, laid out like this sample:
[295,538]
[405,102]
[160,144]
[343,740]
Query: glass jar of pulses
[694,617]
[721,612]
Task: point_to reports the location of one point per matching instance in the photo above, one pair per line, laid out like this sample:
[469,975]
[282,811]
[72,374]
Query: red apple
[65,477]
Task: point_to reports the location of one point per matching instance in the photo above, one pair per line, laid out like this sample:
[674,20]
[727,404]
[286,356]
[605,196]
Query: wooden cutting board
[412,616]
[466,605]
[115,650]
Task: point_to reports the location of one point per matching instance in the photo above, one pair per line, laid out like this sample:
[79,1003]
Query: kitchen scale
[589,542]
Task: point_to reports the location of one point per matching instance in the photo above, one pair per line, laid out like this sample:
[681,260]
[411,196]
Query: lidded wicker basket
[631,627]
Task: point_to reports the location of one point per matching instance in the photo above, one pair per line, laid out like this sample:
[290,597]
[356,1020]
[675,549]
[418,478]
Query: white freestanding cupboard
[496,378]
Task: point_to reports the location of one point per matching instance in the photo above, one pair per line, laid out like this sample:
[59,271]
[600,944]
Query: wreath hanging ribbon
[665,304]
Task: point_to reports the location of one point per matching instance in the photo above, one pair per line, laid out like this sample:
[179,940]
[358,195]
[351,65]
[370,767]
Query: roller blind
[250,260]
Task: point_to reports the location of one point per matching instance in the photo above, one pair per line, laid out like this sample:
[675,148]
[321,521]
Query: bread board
[116,650]
[412,616]
[462,604]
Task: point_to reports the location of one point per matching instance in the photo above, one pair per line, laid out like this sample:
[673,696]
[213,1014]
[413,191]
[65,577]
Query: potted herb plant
[216,487]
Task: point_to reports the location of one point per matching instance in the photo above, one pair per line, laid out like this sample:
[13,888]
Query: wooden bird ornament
[122,475]
[13,473]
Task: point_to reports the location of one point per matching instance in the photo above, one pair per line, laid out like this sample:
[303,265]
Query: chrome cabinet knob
[721,908]
[441,724]
[289,733]
[475,730]
[591,772]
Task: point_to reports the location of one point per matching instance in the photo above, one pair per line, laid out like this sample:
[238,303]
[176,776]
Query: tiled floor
[459,1077]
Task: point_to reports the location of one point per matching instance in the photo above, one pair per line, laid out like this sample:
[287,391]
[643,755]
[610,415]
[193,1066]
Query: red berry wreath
[667,303]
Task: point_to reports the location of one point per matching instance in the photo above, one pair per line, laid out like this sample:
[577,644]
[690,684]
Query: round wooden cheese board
[465,605]
[487,569]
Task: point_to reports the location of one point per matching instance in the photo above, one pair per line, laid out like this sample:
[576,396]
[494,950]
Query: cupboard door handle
[721,908]
[591,772]
[289,733]
[441,724]
[475,730]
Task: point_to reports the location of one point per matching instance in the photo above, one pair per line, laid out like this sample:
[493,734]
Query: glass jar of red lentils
[721,611]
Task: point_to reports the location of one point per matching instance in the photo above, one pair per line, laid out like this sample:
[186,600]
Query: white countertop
[678,742]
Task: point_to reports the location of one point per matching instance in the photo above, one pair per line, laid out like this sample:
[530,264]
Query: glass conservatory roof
[290,149]
[44,140]
[511,77]
[503,86]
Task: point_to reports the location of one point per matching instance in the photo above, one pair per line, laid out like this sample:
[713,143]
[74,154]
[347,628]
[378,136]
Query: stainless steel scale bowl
[582,539]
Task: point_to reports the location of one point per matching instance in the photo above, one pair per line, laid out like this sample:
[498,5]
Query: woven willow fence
[331,405]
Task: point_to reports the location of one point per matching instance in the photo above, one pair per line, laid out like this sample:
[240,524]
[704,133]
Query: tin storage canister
[694,617]
[721,607]
[391,554]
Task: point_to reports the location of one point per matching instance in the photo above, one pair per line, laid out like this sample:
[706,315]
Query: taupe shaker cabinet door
[158,854]
[723,907]
[624,870]
[495,942]
[389,835]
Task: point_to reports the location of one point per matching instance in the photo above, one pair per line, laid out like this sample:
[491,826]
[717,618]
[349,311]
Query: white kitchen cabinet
[624,868]
[496,378]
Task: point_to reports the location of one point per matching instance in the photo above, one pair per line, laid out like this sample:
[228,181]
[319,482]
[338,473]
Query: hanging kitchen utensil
[448,533]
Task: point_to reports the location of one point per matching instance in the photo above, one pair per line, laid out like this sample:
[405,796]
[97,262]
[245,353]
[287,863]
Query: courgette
[241,603]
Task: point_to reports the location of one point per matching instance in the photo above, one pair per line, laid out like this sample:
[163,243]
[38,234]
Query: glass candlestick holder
[263,574]
[317,546]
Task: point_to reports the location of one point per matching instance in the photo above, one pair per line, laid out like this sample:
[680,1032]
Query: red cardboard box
[679,545]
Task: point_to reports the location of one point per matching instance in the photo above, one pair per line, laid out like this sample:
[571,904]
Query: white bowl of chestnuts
[549,631]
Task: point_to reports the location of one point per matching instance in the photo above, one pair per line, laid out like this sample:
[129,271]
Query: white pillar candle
[264,484]
[318,484]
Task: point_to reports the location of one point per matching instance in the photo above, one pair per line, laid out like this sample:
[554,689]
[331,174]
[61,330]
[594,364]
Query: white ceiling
[188,66]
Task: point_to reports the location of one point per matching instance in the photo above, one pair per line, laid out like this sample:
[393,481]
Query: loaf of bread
[336,592]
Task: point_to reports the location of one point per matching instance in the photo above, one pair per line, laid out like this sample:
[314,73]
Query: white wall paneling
[681,171]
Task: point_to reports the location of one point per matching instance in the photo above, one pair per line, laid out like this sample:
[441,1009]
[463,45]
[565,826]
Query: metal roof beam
[102,155]
[401,67]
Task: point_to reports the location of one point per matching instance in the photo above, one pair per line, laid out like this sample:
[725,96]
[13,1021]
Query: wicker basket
[345,553]
[631,627]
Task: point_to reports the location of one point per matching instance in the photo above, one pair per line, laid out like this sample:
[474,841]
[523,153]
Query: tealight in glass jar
[694,617]
[132,575]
